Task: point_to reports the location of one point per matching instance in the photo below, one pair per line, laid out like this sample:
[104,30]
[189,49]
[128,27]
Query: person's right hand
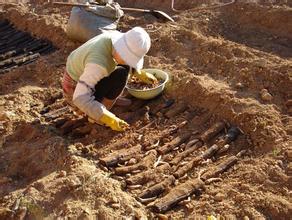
[112,121]
[145,77]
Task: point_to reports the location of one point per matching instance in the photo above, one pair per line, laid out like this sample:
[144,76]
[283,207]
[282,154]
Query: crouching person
[97,72]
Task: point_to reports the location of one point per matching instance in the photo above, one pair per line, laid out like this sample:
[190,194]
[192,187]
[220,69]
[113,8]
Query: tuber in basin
[152,92]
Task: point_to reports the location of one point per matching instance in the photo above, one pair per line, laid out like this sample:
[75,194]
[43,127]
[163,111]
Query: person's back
[97,50]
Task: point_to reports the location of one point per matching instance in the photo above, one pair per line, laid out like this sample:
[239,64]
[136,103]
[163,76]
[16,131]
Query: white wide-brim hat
[132,46]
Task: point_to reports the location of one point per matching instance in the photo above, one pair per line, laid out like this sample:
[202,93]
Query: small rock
[85,150]
[5,213]
[115,205]
[72,149]
[62,173]
[261,62]
[132,161]
[114,200]
[265,95]
[38,185]
[74,182]
[79,146]
[162,217]
[245,218]
[289,103]
[21,213]
[219,197]
[239,85]
[4,180]
[100,202]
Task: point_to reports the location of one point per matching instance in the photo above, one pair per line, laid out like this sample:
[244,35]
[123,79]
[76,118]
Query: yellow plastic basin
[153,92]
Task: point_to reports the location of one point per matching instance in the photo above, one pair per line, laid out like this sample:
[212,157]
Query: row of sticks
[151,168]
[143,172]
[18,48]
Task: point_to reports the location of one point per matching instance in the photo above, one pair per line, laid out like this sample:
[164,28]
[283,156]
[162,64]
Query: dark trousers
[112,86]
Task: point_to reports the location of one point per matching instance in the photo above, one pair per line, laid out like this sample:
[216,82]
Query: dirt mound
[218,142]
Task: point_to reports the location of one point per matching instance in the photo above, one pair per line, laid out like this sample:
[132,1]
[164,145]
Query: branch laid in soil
[72,124]
[179,157]
[144,177]
[56,113]
[121,156]
[186,189]
[177,194]
[222,167]
[158,188]
[166,132]
[174,143]
[231,135]
[159,107]
[138,114]
[212,131]
[177,109]
[147,162]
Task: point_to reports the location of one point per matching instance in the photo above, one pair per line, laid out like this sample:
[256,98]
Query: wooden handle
[86,5]
[71,4]
[135,9]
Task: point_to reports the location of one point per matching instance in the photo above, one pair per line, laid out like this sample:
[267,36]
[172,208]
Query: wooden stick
[212,131]
[178,194]
[197,144]
[121,155]
[174,143]
[158,188]
[147,162]
[157,108]
[222,167]
[179,108]
[166,132]
[181,171]
[144,177]
[138,114]
[138,104]
[72,124]
[210,152]
[56,113]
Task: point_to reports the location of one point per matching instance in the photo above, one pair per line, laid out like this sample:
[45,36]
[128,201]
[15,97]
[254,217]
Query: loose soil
[230,68]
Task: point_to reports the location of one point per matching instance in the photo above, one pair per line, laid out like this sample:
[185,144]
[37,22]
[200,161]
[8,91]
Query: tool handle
[71,4]
[86,5]
[136,9]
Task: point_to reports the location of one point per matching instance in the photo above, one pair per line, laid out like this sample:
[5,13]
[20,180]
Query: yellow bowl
[153,92]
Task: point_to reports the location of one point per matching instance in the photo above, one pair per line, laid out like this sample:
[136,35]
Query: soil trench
[216,143]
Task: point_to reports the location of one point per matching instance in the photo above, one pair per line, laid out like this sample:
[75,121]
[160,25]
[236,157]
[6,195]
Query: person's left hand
[145,77]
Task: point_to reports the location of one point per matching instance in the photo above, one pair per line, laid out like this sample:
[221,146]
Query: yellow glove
[112,121]
[145,77]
